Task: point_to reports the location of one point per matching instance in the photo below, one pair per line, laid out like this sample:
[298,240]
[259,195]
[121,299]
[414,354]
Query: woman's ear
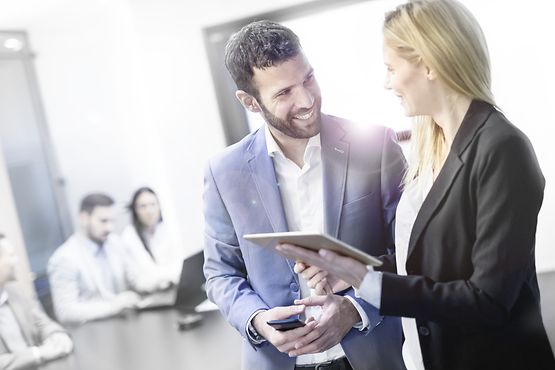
[431,74]
[248,101]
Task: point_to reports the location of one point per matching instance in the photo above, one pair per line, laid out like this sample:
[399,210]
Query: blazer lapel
[19,310]
[264,177]
[439,190]
[335,154]
[477,114]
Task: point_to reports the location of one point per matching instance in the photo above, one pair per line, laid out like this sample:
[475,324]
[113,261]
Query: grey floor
[547,290]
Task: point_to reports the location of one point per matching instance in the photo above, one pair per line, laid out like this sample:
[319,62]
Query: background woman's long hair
[137,225]
[446,37]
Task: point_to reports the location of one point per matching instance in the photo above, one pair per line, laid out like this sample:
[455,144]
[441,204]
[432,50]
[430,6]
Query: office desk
[150,341]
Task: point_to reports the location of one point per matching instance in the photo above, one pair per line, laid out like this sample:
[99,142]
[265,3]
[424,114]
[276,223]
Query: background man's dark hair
[91,201]
[260,44]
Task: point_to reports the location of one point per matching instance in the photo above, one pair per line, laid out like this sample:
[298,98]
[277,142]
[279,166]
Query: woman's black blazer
[471,281]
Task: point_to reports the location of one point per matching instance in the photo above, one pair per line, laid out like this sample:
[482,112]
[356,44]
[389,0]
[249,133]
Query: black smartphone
[286,324]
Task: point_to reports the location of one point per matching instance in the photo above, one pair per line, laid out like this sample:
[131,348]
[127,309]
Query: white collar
[89,245]
[273,147]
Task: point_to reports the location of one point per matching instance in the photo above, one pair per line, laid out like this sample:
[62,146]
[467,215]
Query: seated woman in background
[148,238]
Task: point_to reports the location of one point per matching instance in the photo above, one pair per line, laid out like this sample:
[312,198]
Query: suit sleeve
[508,186]
[41,324]
[64,284]
[44,324]
[227,282]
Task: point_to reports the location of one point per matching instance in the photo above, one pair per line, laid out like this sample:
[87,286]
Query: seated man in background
[28,337]
[91,276]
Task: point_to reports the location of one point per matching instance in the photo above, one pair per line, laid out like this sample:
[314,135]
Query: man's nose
[304,98]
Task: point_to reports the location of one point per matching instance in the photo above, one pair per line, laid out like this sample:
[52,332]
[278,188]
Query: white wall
[12,230]
[130,101]
[129,97]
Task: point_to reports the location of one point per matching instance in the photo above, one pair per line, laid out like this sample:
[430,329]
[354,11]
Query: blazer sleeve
[64,284]
[34,318]
[45,325]
[227,284]
[508,186]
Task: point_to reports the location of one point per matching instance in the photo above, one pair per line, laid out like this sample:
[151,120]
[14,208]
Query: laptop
[188,294]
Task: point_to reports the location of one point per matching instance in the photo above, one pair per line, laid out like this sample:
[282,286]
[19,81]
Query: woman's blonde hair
[446,37]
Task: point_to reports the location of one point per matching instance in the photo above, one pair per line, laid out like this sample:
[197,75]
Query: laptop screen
[190,291]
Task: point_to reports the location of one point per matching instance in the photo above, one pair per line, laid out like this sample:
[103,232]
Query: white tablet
[314,241]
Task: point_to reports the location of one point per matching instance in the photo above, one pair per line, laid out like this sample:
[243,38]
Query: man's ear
[83,219]
[248,101]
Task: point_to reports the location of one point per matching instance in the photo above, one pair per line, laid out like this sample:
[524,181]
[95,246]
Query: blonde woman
[463,277]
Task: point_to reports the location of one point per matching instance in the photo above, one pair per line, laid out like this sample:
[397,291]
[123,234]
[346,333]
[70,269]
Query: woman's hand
[320,280]
[349,270]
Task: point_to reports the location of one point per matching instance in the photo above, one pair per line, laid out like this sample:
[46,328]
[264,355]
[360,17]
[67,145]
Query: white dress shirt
[303,204]
[409,205]
[168,254]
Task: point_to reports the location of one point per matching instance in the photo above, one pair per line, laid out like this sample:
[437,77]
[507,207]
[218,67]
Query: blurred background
[111,95]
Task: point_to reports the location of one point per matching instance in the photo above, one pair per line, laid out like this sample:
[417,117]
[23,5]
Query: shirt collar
[273,147]
[89,245]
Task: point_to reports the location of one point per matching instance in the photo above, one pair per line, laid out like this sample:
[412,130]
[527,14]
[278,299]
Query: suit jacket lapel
[264,177]
[18,310]
[477,114]
[335,154]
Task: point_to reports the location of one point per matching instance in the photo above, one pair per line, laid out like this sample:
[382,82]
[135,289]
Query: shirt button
[424,331]
[294,287]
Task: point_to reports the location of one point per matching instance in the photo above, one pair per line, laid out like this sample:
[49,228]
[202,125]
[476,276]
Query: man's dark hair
[259,44]
[91,201]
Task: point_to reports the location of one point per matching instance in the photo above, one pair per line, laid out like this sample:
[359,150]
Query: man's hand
[55,346]
[320,280]
[338,317]
[284,341]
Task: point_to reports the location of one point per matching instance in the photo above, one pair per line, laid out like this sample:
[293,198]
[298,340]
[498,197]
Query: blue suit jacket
[361,177]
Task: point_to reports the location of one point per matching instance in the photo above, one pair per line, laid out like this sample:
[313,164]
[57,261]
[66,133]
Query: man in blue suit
[302,171]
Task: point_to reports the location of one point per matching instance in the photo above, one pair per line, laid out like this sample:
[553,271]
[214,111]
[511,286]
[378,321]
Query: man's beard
[287,126]
[98,241]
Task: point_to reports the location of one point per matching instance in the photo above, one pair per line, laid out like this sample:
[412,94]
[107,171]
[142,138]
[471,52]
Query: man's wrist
[254,336]
[352,311]
[362,320]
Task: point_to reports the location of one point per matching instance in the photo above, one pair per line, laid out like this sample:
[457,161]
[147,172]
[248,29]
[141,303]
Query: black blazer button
[294,287]
[424,331]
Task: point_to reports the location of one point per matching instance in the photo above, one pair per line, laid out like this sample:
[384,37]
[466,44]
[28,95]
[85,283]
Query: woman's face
[148,209]
[412,83]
